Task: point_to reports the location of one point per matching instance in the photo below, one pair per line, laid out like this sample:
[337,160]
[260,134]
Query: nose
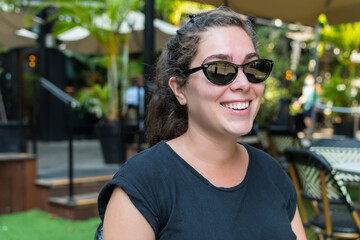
[240,82]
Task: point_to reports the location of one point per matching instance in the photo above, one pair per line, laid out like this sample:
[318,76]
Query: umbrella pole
[315,74]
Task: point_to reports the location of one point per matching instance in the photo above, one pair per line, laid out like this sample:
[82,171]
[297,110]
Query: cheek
[259,89]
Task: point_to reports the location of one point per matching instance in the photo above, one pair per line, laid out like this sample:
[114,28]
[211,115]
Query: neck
[211,150]
[222,162]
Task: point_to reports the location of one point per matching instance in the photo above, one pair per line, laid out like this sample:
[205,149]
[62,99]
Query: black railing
[71,104]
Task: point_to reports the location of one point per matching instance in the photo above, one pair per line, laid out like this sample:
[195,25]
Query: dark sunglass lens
[257,71]
[220,73]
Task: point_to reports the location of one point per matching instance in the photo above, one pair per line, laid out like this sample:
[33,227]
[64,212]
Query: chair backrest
[280,138]
[340,142]
[308,165]
[263,137]
[315,179]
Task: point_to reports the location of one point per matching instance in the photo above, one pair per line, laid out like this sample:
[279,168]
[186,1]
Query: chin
[243,130]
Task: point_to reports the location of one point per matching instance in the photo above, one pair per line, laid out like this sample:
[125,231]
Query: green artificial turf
[38,225]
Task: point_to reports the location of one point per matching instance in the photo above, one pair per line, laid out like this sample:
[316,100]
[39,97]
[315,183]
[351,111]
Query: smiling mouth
[237,106]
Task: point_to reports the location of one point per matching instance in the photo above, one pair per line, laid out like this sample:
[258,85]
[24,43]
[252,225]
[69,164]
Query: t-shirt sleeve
[140,197]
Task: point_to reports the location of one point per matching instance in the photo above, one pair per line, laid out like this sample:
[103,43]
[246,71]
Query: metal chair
[315,180]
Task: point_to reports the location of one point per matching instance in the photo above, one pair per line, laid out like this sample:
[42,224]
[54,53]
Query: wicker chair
[280,138]
[338,151]
[315,180]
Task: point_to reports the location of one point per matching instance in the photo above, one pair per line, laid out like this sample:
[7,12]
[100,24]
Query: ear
[178,91]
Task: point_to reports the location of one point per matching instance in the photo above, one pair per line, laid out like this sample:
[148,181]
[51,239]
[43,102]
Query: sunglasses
[223,73]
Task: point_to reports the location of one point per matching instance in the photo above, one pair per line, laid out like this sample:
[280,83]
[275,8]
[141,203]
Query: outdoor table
[341,154]
[348,167]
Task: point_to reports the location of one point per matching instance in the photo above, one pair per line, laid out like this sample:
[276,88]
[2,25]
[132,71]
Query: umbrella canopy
[16,39]
[12,31]
[79,40]
[11,21]
[304,11]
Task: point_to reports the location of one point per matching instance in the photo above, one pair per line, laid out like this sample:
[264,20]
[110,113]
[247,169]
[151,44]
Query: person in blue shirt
[134,102]
[196,181]
[308,100]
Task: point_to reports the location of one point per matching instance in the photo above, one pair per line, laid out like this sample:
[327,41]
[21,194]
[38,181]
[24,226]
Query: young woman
[197,181]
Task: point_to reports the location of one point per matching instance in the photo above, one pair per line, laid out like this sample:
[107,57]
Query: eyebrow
[228,57]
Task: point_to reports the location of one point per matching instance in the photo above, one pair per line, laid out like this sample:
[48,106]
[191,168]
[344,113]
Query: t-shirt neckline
[242,184]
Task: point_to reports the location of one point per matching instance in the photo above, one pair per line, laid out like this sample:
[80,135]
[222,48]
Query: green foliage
[337,90]
[174,11]
[94,96]
[273,93]
[94,99]
[344,39]
[38,225]
[165,8]
[272,44]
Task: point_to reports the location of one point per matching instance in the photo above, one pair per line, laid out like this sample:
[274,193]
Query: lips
[237,105]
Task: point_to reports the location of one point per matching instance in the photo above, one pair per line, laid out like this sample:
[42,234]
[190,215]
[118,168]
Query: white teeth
[239,106]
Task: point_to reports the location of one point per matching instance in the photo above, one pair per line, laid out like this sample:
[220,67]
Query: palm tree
[73,13]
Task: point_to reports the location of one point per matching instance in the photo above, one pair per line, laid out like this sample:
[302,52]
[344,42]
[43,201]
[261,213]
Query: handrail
[71,103]
[353,110]
[60,94]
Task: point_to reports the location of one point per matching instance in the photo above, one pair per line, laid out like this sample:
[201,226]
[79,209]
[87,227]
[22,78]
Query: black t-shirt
[179,203]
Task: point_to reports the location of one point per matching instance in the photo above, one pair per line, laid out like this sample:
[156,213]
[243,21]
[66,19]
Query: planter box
[18,172]
[112,146]
[12,137]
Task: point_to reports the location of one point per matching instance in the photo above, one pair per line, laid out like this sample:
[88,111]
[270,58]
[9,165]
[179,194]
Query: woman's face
[211,108]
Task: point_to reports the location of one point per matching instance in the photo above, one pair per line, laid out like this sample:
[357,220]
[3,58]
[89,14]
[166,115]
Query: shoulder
[139,177]
[261,158]
[146,162]
[265,167]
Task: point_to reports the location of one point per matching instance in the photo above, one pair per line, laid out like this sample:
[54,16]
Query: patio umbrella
[16,40]
[12,21]
[79,40]
[304,11]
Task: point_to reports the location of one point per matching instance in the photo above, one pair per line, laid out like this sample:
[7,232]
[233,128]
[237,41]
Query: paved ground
[88,160]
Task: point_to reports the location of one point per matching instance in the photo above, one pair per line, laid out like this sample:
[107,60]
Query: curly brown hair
[166,118]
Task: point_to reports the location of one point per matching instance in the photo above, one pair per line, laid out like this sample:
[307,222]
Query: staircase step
[52,196]
[60,187]
[78,200]
[55,182]
[82,207]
